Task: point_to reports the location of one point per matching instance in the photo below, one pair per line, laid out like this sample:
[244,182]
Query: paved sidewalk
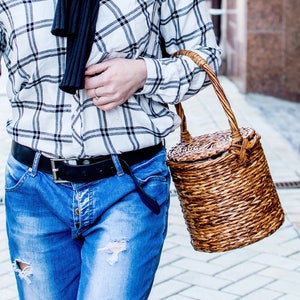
[269,269]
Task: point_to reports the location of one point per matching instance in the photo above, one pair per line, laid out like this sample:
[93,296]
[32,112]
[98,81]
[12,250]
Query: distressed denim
[85,241]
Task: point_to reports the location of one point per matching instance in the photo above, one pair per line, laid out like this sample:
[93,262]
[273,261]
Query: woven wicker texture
[223,181]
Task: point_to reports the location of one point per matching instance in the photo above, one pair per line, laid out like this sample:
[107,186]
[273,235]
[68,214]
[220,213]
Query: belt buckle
[54,170]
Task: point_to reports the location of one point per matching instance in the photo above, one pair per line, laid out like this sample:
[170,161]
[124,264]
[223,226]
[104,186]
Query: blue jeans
[89,241]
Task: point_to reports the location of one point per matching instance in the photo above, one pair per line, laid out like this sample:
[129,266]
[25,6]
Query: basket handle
[185,136]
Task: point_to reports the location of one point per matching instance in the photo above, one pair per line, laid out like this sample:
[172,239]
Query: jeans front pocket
[154,177]
[15,174]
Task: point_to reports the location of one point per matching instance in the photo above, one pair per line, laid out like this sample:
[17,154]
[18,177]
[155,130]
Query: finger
[96,96]
[91,93]
[107,107]
[100,100]
[92,82]
[95,69]
[104,106]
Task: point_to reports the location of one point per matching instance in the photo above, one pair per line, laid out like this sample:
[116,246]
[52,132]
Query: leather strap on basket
[236,137]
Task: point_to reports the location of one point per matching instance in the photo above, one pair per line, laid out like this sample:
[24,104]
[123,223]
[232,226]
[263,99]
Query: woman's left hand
[112,82]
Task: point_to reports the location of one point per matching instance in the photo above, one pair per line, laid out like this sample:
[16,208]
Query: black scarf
[76,20]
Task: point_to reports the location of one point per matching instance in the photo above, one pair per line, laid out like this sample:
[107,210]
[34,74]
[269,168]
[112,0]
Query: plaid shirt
[63,125]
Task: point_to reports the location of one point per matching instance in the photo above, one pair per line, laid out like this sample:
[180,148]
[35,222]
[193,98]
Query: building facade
[261,44]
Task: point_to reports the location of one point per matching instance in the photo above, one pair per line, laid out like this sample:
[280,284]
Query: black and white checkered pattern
[63,125]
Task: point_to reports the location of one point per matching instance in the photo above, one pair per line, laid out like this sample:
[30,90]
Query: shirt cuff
[154,77]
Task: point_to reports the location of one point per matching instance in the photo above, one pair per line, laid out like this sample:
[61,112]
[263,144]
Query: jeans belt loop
[116,161]
[35,163]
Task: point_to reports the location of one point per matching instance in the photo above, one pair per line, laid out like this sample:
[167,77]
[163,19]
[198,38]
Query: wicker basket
[223,181]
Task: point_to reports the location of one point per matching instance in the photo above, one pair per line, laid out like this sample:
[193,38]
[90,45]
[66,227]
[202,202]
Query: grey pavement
[268,269]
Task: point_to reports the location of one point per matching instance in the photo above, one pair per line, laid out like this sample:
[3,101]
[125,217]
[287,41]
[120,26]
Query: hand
[113,82]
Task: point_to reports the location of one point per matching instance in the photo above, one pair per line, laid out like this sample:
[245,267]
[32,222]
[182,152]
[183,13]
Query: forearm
[172,80]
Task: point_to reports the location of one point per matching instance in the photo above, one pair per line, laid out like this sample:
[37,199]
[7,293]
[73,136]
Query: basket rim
[207,147]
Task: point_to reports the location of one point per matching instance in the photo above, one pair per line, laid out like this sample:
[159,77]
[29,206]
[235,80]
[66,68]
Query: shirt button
[77,212]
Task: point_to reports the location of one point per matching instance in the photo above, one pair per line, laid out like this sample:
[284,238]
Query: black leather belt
[88,170]
[83,170]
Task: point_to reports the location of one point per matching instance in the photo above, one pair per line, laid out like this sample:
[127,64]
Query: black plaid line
[2,42]
[30,27]
[4,6]
[130,130]
[35,134]
[57,137]
[123,21]
[104,132]
[143,5]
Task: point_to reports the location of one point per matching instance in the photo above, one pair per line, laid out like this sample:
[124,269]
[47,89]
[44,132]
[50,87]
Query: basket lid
[206,146]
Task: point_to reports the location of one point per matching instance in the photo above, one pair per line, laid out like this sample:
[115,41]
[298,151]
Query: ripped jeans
[87,241]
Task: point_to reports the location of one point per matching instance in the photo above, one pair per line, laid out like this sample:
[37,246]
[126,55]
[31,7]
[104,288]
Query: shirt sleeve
[186,25]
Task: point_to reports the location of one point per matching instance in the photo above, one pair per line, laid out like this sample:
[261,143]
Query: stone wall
[262,46]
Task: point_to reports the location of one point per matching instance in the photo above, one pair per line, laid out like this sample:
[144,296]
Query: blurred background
[261,45]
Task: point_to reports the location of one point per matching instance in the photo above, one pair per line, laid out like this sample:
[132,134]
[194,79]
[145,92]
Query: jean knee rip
[23,269]
[114,248]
